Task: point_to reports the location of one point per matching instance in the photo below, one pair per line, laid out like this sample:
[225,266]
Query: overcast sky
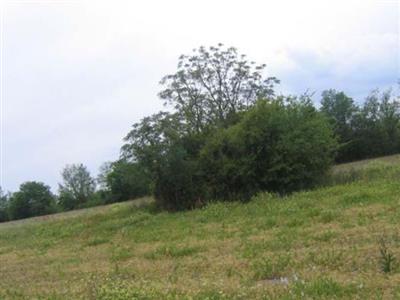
[77,74]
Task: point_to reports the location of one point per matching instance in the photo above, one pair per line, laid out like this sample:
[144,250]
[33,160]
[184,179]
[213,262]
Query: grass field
[328,243]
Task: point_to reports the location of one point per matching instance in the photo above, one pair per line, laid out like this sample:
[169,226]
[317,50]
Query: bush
[279,146]
[125,181]
[178,185]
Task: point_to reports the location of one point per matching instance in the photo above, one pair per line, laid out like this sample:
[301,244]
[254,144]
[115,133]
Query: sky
[75,75]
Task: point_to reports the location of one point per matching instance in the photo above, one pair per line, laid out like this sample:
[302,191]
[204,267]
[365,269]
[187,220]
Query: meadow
[338,241]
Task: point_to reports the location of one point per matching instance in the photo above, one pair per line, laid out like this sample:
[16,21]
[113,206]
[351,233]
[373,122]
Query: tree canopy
[211,85]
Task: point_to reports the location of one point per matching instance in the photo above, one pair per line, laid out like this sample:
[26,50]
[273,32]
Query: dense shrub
[126,180]
[279,145]
[179,184]
[167,153]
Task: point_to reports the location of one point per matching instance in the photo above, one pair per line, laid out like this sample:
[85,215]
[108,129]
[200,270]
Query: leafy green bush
[126,180]
[279,146]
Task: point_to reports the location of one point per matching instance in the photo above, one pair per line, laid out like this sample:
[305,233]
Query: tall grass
[372,171]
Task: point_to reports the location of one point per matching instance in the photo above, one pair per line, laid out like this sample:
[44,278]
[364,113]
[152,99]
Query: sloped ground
[320,244]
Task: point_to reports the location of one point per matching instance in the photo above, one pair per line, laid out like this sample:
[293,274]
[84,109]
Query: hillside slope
[319,244]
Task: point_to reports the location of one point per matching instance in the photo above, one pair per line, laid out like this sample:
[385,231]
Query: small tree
[341,111]
[77,187]
[166,154]
[32,199]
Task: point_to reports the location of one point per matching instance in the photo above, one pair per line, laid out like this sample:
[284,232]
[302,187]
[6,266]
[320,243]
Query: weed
[386,260]
[267,268]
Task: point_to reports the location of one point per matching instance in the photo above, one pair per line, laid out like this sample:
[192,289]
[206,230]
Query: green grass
[319,244]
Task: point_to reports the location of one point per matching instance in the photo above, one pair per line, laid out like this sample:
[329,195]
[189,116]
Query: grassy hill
[321,244]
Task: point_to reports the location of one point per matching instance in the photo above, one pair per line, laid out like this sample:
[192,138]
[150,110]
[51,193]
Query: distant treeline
[226,136]
[367,130]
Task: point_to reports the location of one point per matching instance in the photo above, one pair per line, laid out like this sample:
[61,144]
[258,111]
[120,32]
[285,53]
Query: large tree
[217,90]
[77,188]
[212,85]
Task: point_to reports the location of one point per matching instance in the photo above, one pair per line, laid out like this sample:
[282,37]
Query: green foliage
[369,130]
[340,109]
[178,185]
[212,85]
[126,180]
[77,187]
[377,125]
[278,146]
[97,198]
[32,199]
[220,144]
[150,139]
[160,146]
